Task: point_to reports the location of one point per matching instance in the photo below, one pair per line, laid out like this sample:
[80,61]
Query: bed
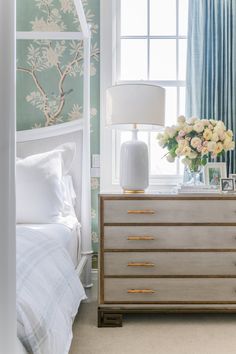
[49,291]
[53,259]
[7,158]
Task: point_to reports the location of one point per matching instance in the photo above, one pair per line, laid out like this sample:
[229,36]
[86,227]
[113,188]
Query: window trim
[109,31]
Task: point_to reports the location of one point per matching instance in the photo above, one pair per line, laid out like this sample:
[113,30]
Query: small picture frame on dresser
[227,185]
[233,175]
[213,172]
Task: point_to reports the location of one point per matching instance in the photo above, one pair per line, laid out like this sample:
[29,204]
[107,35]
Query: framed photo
[233,175]
[213,172]
[227,184]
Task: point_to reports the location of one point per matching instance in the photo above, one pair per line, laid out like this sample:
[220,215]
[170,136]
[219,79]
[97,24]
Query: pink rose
[199,148]
[182,133]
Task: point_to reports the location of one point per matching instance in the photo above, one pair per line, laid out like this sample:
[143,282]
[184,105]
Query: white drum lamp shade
[135,106]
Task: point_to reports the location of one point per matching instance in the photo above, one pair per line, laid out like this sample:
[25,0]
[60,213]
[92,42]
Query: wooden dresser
[161,253]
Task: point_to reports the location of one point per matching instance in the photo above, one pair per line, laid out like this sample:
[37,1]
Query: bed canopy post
[7,179]
[86,178]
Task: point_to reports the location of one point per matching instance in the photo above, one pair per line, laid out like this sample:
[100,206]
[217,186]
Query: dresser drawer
[170,263]
[169,290]
[170,211]
[170,237]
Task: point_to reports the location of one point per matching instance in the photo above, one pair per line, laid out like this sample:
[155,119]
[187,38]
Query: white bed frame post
[86,177]
[7,179]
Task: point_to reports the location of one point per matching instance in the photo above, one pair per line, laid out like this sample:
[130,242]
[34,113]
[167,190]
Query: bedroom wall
[50,74]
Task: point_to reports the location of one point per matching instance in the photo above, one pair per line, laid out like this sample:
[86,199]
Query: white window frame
[110,49]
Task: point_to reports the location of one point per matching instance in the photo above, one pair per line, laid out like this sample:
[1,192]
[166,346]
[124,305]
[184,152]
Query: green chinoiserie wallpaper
[50,73]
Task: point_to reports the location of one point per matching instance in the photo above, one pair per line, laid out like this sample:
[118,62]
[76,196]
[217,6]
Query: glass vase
[194,172]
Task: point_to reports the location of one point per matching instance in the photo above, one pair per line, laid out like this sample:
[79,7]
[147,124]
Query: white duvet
[48,293]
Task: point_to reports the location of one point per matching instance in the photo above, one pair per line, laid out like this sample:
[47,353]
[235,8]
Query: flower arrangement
[195,140]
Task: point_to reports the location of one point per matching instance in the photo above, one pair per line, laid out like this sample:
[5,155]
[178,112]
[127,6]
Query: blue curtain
[211,64]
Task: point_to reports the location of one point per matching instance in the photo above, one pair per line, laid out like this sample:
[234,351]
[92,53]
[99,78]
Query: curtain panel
[211,64]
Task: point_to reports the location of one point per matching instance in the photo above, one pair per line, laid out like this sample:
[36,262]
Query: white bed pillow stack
[40,190]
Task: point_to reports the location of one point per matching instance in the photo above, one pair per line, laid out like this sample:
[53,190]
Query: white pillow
[70,196]
[39,185]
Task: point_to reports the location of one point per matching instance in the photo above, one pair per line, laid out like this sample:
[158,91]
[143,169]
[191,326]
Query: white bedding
[48,291]
[70,238]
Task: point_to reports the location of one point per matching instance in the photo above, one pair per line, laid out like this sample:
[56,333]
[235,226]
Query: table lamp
[136,107]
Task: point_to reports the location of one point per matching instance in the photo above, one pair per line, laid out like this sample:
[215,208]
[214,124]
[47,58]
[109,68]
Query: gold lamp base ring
[127,191]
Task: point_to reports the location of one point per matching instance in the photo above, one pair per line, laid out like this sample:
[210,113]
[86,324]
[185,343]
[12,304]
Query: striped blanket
[48,293]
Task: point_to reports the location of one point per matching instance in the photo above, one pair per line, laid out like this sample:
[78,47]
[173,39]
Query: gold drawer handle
[137,212]
[141,291]
[140,264]
[140,238]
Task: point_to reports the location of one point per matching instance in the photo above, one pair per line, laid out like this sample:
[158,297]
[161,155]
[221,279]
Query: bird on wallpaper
[67,92]
[63,94]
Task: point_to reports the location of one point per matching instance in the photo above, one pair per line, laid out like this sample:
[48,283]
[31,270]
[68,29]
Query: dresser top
[161,195]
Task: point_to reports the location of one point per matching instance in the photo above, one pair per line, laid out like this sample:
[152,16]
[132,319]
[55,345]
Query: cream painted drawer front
[170,290]
[169,263]
[169,211]
[170,237]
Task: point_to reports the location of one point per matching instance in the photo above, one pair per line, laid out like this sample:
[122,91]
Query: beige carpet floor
[150,334]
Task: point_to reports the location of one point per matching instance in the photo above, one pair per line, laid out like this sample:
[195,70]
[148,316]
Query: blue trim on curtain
[211,64]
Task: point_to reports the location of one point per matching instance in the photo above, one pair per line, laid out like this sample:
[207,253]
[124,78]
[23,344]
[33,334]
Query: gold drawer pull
[140,264]
[140,238]
[141,291]
[137,212]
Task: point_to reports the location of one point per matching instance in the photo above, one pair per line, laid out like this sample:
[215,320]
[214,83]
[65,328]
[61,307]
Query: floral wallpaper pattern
[50,73]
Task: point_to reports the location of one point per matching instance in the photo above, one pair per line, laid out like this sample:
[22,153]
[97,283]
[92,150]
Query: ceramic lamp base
[134,167]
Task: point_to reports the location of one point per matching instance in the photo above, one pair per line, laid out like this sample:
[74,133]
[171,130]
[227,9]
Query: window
[151,43]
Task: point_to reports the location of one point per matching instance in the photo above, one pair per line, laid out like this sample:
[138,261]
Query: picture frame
[233,175]
[227,184]
[213,173]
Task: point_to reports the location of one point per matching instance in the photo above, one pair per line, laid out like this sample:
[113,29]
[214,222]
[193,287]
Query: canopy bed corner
[37,142]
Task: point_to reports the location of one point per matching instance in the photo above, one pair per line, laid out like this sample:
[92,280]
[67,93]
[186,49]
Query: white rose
[186,150]
[219,130]
[218,149]
[205,121]
[221,125]
[192,155]
[222,136]
[207,134]
[182,143]
[170,131]
[192,120]
[215,137]
[195,142]
[227,143]
[181,119]
[178,151]
[187,128]
[213,121]
[211,146]
[198,127]
[230,133]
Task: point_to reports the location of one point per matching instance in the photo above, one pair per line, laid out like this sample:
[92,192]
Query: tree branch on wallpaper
[44,55]
[66,58]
